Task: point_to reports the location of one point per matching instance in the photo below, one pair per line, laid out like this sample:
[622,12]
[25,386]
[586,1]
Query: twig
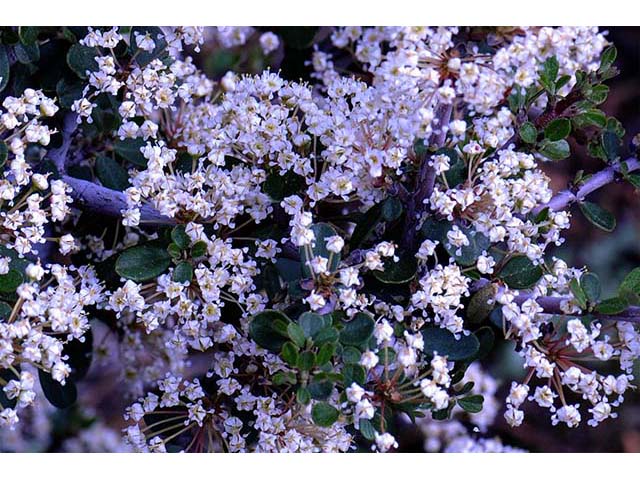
[99,199]
[59,155]
[595,182]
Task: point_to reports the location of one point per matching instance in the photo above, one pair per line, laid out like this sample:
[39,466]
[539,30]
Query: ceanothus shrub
[275,265]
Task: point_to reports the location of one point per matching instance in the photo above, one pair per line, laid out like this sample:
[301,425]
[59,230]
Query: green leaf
[289,354]
[354,373]
[471,404]
[80,355]
[481,304]
[296,333]
[528,132]
[27,54]
[266,329]
[307,361]
[611,145]
[183,273]
[578,293]
[612,306]
[598,94]
[68,92]
[322,231]
[324,414]
[520,272]
[180,237]
[557,129]
[326,353]
[142,263]
[443,342]
[631,282]
[549,73]
[60,396]
[28,35]
[351,355]
[320,390]
[303,396]
[487,338]
[607,59]
[558,150]
[10,281]
[298,37]
[111,174]
[367,430]
[402,271]
[357,331]
[590,284]
[81,60]
[199,249]
[326,335]
[129,149]
[311,323]
[391,209]
[591,118]
[4,153]
[598,216]
[280,186]
[4,67]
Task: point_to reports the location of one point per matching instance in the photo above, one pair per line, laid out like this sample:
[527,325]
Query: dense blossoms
[297,264]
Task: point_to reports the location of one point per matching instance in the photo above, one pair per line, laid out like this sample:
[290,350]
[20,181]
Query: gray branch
[91,196]
[99,199]
[595,182]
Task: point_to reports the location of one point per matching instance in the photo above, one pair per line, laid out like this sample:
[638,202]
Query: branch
[59,155]
[552,305]
[595,182]
[426,177]
[105,201]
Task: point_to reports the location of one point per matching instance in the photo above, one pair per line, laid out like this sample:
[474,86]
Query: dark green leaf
[312,323]
[528,132]
[398,272]
[607,59]
[472,403]
[129,149]
[111,174]
[10,281]
[468,254]
[4,68]
[303,396]
[325,353]
[367,430]
[81,60]
[443,342]
[558,150]
[357,331]
[296,333]
[519,272]
[391,209]
[60,396]
[266,332]
[598,216]
[481,304]
[183,273]
[324,414]
[590,284]
[180,237]
[611,145]
[27,54]
[578,293]
[7,375]
[142,263]
[557,129]
[289,354]
[612,306]
[320,390]
[28,35]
